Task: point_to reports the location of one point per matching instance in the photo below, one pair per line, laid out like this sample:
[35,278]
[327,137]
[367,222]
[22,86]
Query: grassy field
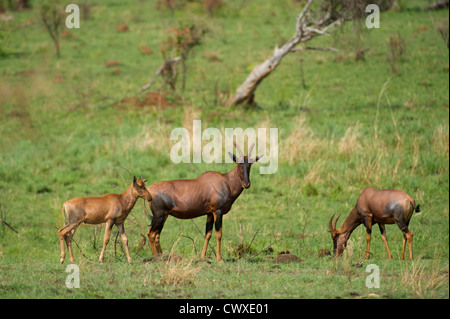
[343,125]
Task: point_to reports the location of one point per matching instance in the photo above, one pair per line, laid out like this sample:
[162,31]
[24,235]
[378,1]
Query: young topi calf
[111,209]
[211,194]
[376,206]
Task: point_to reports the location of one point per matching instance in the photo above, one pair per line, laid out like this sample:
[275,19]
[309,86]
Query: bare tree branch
[167,66]
[314,48]
[305,31]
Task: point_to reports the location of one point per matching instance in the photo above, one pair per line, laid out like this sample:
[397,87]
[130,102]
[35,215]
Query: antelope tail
[415,209]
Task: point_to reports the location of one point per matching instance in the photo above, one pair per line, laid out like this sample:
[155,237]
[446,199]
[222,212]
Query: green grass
[60,140]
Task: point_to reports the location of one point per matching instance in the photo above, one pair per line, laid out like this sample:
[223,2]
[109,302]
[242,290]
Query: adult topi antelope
[376,206]
[211,194]
[111,209]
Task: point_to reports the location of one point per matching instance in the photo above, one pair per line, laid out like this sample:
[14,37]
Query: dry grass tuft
[440,141]
[314,175]
[373,167]
[178,272]
[190,114]
[368,168]
[301,143]
[350,142]
[157,138]
[423,281]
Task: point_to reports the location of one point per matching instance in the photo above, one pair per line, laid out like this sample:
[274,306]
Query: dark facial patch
[335,238]
[246,171]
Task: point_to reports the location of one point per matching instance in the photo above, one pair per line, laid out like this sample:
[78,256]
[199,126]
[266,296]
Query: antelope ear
[335,232]
[144,180]
[134,180]
[257,158]
[233,157]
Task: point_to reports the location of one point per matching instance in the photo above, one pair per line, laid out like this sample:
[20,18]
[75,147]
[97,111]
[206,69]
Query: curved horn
[330,226]
[335,221]
[250,149]
[238,149]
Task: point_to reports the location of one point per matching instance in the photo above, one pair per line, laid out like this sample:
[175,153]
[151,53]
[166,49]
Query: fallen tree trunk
[305,31]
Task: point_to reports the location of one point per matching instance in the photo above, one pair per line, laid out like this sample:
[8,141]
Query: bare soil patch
[286,258]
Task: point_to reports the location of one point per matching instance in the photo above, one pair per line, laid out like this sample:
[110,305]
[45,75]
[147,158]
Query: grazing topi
[376,206]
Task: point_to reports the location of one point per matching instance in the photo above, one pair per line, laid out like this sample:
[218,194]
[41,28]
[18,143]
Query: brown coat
[111,209]
[376,207]
[211,194]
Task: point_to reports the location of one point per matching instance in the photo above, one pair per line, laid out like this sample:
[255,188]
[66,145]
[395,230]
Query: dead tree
[305,30]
